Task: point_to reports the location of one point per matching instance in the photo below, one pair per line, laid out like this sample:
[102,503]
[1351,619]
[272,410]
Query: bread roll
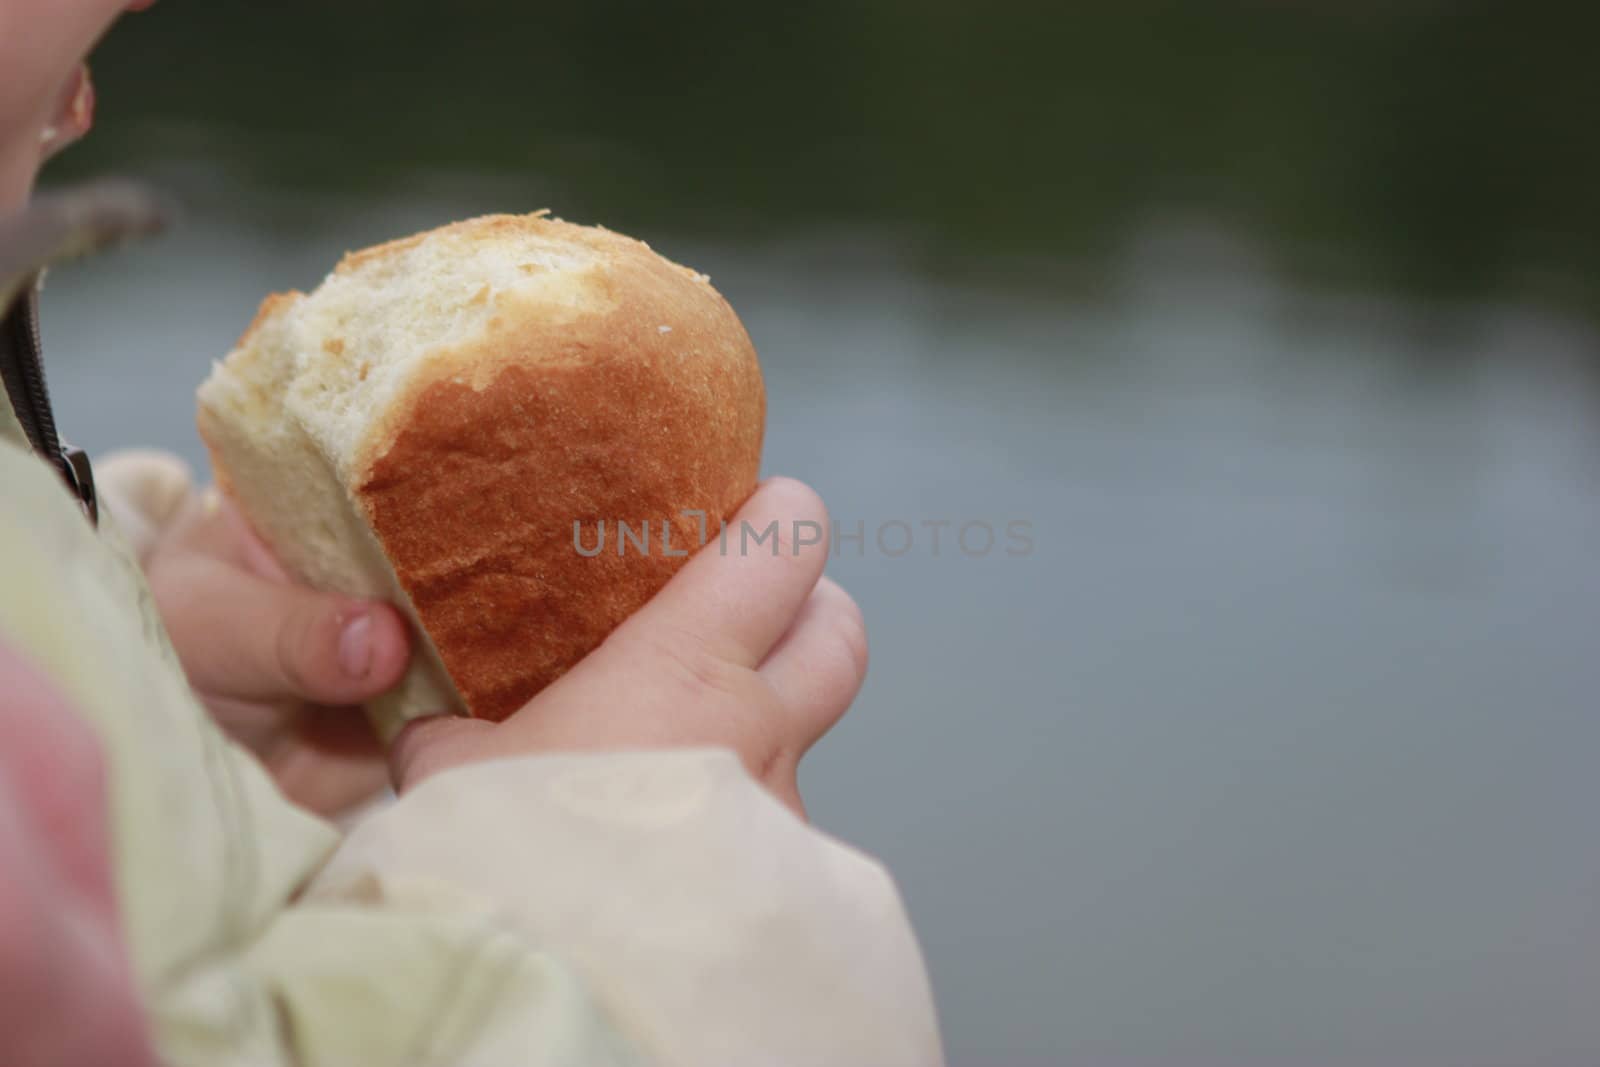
[429,425]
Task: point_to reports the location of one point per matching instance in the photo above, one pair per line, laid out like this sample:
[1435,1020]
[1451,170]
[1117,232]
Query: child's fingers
[819,665]
[741,593]
[208,523]
[245,637]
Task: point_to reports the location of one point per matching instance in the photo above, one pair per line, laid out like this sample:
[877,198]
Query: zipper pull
[50,229]
[79,474]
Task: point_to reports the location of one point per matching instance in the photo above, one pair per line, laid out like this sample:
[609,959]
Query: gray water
[1277,748]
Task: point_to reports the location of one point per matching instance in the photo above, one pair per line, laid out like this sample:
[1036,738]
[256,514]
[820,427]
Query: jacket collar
[52,229]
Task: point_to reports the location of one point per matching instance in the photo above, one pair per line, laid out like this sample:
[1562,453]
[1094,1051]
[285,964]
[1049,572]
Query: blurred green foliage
[1446,148]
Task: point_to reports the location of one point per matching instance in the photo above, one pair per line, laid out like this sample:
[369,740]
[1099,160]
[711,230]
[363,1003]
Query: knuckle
[853,636]
[687,660]
[290,651]
[849,628]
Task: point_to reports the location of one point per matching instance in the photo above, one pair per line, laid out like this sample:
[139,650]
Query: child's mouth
[74,113]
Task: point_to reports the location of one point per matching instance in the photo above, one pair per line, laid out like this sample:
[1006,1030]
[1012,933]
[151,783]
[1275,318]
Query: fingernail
[355,646]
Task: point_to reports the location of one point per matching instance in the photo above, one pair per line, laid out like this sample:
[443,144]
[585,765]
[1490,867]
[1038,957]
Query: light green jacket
[654,908]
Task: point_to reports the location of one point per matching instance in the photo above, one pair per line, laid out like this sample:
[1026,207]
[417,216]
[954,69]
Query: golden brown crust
[272,305]
[478,473]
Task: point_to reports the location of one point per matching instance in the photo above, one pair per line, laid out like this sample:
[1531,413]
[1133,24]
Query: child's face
[43,103]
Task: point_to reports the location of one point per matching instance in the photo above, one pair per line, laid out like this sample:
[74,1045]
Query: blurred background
[1276,321]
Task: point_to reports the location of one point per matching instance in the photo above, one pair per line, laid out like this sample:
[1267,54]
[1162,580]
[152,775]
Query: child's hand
[280,666]
[747,650]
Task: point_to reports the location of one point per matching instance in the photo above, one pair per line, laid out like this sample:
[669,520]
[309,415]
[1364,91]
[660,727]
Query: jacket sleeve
[620,908]
[416,983]
[709,924]
[652,907]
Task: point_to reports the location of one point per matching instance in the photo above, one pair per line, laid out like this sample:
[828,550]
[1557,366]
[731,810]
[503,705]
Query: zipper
[22,371]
